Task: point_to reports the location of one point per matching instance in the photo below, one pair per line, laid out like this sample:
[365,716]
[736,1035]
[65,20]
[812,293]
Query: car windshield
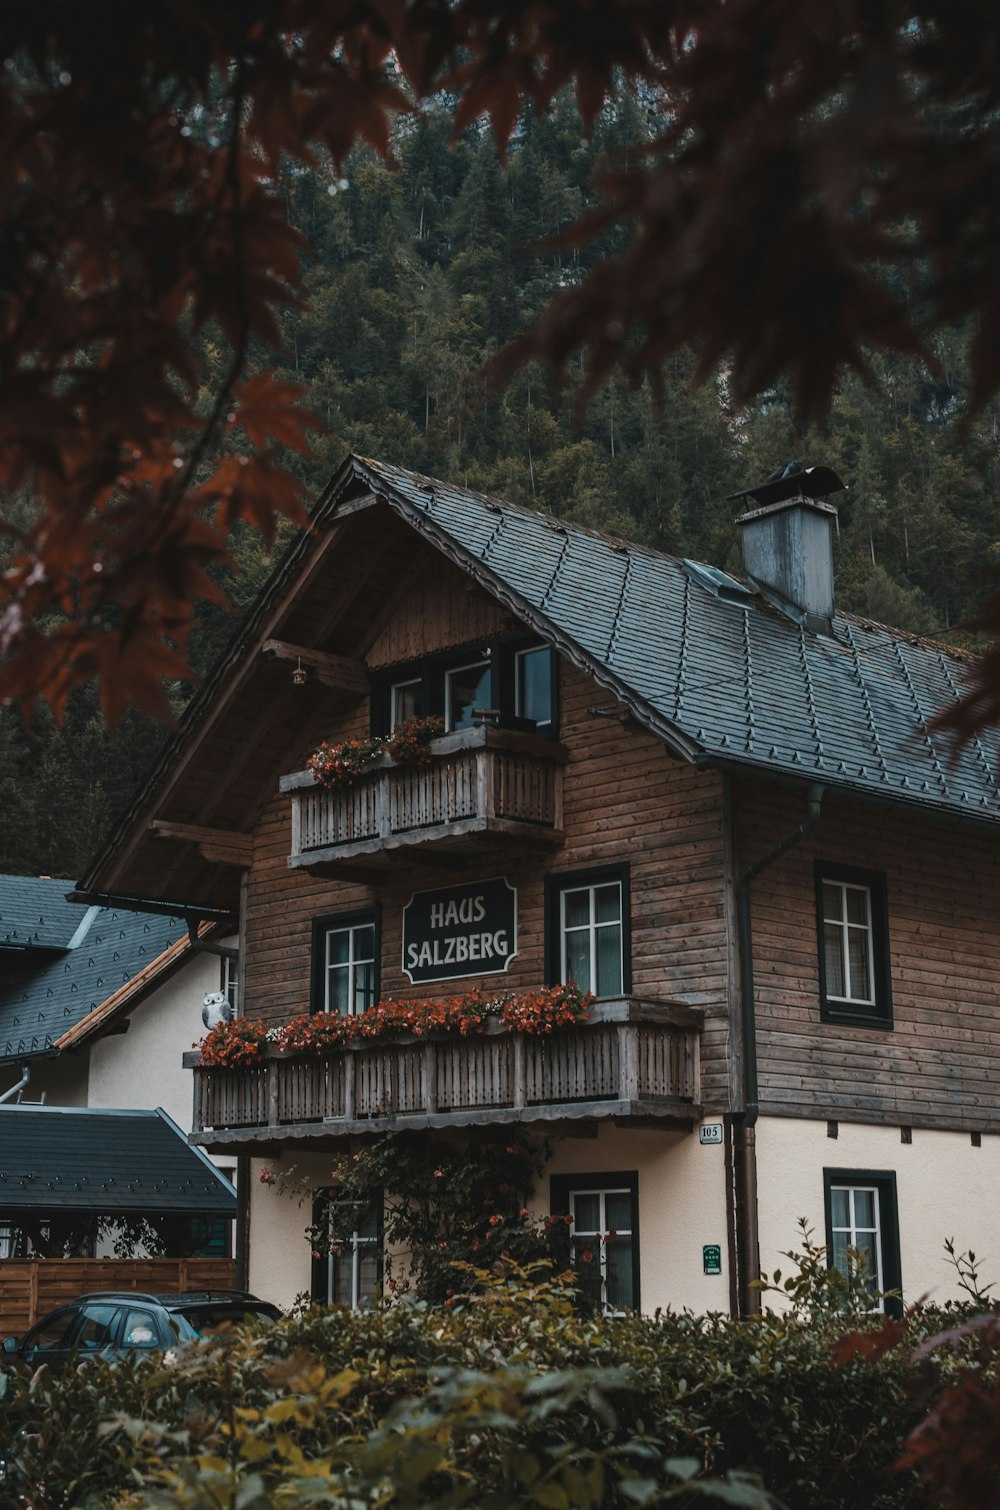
[194,1321]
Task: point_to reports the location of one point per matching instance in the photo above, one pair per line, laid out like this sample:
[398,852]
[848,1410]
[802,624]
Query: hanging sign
[460,930]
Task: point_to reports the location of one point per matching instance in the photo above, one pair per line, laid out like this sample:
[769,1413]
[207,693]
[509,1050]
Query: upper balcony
[478,782]
[637,1061]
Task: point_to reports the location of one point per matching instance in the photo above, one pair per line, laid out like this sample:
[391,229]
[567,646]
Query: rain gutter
[746,1125]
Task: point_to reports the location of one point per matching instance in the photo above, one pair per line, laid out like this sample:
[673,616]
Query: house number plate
[710,1132]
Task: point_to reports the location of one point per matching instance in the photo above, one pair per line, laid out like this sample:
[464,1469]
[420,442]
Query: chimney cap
[805,482]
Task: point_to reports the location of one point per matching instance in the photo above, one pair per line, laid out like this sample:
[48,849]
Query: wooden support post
[383,799]
[428,1078]
[628,1050]
[349,1078]
[692,1060]
[519,1071]
[33,1292]
[484,786]
[273,1066]
[557,797]
[198,1109]
[297,801]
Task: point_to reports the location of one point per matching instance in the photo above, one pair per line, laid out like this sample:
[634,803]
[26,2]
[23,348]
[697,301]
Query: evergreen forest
[417,277]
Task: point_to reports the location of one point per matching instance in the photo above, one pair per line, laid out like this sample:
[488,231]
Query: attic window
[719,583]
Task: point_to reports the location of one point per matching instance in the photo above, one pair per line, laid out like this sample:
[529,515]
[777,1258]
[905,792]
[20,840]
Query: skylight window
[719,583]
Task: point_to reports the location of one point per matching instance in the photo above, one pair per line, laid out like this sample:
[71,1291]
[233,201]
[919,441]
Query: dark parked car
[125,1321]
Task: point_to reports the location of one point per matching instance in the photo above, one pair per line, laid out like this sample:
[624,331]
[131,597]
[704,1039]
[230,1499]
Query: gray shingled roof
[726,681]
[105,1161]
[99,949]
[34,913]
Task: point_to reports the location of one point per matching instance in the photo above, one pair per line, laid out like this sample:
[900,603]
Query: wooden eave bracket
[222,846]
[344,672]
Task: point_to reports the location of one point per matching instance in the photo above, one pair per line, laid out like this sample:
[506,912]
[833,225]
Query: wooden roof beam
[223,846]
[344,672]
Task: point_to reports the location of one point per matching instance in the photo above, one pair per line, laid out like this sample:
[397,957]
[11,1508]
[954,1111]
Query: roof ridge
[560,520]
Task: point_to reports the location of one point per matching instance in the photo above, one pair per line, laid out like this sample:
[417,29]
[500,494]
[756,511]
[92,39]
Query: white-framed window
[591,926]
[348,974]
[229,984]
[605,1218]
[853,924]
[533,690]
[349,1272]
[404,701]
[855,1230]
[862,1232]
[465,689]
[848,942]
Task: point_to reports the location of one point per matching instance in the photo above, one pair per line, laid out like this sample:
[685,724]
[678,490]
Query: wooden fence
[31,1287]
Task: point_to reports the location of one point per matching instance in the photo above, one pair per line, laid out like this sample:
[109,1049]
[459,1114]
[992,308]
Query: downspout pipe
[25,1077]
[747,1137]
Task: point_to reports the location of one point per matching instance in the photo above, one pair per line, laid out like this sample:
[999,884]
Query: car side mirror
[10,1344]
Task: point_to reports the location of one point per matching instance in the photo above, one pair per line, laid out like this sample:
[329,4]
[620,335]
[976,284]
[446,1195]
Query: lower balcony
[478,783]
[634,1061]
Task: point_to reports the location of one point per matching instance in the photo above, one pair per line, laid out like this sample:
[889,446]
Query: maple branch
[238,360]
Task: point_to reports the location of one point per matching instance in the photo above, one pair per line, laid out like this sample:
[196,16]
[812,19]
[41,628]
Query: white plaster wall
[682,1206]
[63,1081]
[143,1067]
[944,1188]
[280,1257]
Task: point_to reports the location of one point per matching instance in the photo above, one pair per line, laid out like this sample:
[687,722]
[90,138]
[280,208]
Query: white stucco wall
[280,1258]
[62,1081]
[945,1188]
[143,1067]
[681,1207]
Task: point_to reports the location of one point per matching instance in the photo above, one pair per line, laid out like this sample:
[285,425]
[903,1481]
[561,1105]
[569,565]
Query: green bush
[511,1397]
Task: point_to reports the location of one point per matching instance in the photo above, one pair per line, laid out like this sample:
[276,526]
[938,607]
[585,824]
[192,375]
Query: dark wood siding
[625,799]
[939,1064]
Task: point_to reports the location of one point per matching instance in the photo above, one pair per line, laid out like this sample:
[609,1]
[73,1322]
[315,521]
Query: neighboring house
[64,1168]
[97,1006]
[713,802]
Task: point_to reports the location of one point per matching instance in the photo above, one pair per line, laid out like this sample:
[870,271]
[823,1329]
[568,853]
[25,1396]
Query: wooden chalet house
[711,802]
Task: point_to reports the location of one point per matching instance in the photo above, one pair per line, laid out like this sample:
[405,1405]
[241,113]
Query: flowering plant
[314,1034]
[537,1012]
[407,744]
[337,766]
[243,1041]
[236,1044]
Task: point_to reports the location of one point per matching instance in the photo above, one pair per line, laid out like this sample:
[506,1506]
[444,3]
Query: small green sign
[711,1257]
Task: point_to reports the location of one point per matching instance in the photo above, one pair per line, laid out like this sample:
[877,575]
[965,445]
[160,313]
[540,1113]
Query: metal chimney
[788,542]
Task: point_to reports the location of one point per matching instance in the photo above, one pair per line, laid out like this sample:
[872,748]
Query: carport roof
[127,1162]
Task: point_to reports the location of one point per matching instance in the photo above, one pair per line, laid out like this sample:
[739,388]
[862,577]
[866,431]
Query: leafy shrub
[511,1397]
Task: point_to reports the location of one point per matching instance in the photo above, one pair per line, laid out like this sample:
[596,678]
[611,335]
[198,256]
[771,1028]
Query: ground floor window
[862,1231]
[347,1270]
[605,1235]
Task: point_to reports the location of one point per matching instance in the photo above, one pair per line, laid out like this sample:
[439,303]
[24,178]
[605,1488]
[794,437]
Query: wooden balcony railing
[634,1059]
[478,781]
